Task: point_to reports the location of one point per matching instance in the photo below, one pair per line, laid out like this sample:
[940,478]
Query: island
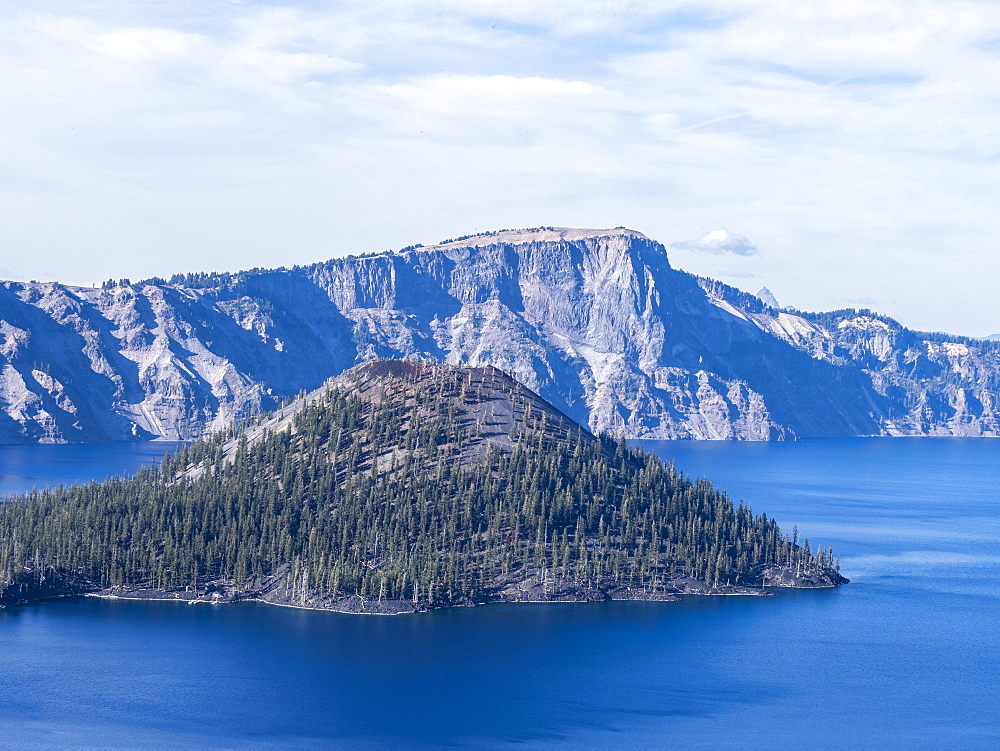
[398,487]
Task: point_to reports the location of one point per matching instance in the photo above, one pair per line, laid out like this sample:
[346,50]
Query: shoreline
[274,590]
[766,592]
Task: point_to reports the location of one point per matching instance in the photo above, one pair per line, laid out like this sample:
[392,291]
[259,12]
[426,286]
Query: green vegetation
[395,490]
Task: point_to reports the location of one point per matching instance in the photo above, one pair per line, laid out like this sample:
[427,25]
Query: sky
[841,154]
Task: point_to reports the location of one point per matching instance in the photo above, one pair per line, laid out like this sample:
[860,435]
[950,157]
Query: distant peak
[765,296]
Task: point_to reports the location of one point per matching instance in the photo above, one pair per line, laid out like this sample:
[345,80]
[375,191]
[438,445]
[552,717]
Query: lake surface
[904,657]
[23,468]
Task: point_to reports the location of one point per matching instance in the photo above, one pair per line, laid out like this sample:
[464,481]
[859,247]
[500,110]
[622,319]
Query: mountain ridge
[596,321]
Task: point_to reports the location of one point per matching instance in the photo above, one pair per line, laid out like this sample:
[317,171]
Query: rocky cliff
[595,321]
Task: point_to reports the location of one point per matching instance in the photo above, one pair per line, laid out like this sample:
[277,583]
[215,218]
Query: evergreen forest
[400,481]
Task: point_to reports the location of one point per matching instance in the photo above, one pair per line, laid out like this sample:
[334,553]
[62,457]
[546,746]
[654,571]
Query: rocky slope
[595,321]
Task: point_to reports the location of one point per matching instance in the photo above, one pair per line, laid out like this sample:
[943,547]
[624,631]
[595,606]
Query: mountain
[401,486]
[767,297]
[595,321]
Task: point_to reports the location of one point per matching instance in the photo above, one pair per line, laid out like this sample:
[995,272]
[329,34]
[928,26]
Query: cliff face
[596,321]
[924,383]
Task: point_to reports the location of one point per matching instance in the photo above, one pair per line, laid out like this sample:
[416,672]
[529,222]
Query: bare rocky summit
[595,321]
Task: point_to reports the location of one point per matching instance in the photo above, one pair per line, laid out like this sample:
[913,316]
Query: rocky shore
[276,591]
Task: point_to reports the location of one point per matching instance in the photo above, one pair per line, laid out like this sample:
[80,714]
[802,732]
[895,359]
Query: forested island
[401,487]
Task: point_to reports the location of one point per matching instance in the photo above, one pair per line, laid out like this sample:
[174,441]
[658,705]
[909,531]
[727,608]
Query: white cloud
[856,141]
[477,108]
[718,242]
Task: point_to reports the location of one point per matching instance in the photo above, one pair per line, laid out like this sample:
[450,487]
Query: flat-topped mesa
[534,235]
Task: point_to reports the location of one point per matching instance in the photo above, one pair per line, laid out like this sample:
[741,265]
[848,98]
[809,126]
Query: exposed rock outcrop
[595,321]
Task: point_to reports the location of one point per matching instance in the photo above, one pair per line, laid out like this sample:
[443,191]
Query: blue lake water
[25,467]
[904,657]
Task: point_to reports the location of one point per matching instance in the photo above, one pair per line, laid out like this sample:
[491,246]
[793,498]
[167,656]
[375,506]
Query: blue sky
[850,148]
